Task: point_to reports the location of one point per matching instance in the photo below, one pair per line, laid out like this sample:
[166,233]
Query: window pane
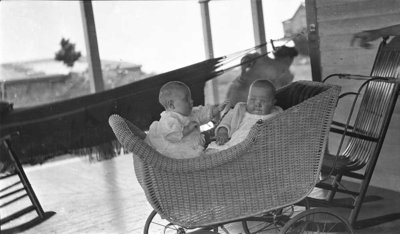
[159,35]
[31,32]
[232,26]
[292,14]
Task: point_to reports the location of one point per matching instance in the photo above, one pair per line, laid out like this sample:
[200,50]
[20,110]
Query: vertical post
[208,46]
[3,90]
[313,40]
[258,24]
[92,50]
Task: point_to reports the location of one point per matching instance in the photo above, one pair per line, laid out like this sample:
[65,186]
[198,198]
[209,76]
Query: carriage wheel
[272,222]
[318,220]
[156,225]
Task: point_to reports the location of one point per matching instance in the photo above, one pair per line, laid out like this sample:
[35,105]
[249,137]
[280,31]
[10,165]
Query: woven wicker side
[276,165]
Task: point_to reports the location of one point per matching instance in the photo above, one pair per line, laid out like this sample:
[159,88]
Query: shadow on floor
[29,224]
[380,211]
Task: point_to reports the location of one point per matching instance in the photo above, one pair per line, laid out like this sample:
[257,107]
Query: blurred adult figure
[255,66]
[364,37]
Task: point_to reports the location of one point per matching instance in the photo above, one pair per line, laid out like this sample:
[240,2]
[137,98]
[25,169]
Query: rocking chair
[363,134]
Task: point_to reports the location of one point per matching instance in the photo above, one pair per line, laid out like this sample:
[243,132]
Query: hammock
[80,124]
[277,164]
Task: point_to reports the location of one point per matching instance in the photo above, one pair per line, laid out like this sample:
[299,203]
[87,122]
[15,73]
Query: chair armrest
[347,94]
[342,125]
[353,134]
[348,76]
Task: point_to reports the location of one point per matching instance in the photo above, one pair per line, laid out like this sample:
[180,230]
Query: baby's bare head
[170,91]
[261,98]
[266,85]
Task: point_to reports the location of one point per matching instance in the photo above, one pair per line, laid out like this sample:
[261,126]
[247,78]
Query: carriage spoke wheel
[156,225]
[318,220]
[272,222]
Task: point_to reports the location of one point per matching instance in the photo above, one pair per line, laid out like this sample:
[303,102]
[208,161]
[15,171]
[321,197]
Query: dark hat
[285,51]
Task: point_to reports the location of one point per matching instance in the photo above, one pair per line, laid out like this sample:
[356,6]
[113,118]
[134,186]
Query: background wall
[339,19]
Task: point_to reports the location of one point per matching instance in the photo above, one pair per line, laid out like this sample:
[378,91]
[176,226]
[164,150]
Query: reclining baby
[236,125]
[177,133]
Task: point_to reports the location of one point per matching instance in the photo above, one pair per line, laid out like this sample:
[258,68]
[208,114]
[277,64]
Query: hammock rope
[227,60]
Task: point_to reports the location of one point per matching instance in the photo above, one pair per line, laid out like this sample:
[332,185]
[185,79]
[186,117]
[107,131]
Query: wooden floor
[89,197]
[105,197]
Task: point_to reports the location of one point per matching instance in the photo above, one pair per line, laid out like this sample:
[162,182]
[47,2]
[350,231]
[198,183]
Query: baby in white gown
[177,133]
[235,126]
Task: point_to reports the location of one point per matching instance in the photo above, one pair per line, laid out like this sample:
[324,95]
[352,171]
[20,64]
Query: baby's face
[183,102]
[260,101]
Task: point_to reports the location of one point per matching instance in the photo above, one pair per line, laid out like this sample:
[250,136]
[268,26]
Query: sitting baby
[177,133]
[237,123]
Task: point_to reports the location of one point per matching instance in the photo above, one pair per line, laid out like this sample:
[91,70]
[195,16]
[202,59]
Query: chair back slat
[387,60]
[388,64]
[372,120]
[376,106]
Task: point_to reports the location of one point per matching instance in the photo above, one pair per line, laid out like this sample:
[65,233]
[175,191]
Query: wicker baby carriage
[277,164]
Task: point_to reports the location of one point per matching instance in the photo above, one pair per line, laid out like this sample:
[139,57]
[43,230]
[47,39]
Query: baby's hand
[222,136]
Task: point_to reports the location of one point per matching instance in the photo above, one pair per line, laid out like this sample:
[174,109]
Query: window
[31,33]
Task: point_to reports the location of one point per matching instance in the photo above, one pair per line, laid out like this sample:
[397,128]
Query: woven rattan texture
[276,165]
